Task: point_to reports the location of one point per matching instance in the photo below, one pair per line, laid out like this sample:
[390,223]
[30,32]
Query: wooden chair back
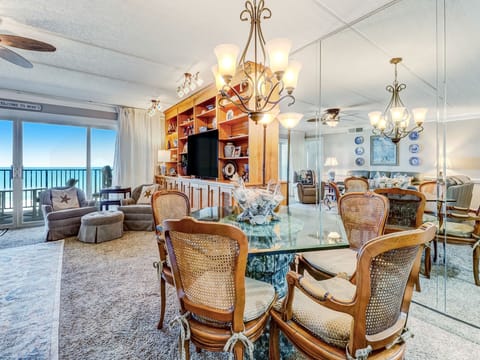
[355,184]
[431,191]
[387,269]
[364,215]
[406,208]
[208,261]
[169,205]
[335,188]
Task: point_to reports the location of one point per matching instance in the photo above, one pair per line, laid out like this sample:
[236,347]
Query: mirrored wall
[439,63]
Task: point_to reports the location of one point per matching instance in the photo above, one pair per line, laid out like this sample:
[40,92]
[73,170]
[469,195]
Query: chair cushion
[146,194]
[259,296]
[70,213]
[64,199]
[463,229]
[333,261]
[429,218]
[137,209]
[331,326]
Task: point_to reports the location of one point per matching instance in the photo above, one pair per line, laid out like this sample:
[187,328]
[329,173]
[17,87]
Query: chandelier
[154,107]
[190,83]
[262,86]
[393,122]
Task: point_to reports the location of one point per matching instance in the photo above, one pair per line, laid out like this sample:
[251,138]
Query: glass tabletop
[296,230]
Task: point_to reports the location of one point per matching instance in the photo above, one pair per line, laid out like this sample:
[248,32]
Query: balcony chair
[220,308]
[335,319]
[137,209]
[63,208]
[166,205]
[363,216]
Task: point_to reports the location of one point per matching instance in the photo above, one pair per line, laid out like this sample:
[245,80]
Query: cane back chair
[363,215]
[355,184]
[221,309]
[166,205]
[335,319]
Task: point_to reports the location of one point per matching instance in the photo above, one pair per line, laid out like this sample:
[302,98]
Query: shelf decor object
[163,158]
[262,85]
[394,121]
[257,204]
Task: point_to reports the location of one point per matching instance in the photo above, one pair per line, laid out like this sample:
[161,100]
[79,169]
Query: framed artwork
[237,152]
[383,151]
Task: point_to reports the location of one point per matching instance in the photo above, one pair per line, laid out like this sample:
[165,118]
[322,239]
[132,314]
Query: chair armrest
[128,201]
[91,203]
[46,209]
[314,291]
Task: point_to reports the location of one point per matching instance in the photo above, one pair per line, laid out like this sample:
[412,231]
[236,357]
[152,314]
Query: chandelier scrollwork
[262,86]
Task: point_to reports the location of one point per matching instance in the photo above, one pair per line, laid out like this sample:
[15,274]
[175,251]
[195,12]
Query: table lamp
[332,162]
[163,157]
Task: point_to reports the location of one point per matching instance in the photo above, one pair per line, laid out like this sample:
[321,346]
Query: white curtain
[139,138]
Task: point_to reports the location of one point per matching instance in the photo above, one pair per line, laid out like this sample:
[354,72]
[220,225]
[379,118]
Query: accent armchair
[64,221]
[137,209]
[309,190]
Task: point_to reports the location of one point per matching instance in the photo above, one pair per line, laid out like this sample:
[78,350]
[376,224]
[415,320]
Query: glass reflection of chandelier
[190,83]
[393,122]
[262,85]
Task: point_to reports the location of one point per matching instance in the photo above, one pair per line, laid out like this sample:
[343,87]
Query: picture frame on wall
[237,152]
[383,151]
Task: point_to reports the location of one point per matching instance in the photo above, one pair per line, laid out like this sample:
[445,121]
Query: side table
[105,194]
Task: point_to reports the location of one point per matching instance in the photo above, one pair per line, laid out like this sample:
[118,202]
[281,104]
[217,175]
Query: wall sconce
[190,83]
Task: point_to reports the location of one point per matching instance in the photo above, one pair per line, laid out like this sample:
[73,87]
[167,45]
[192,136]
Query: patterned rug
[30,301]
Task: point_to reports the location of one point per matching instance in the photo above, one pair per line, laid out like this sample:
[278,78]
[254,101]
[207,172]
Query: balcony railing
[37,179]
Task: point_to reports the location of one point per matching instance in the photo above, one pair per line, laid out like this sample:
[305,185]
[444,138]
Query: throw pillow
[64,199]
[146,194]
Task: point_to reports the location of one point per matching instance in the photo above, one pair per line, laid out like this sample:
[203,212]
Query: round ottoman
[100,226]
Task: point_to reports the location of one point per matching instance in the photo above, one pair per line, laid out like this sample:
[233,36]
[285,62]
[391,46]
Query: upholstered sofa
[137,209]
[63,223]
[417,177]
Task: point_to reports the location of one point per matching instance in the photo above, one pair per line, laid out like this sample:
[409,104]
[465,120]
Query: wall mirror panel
[352,71]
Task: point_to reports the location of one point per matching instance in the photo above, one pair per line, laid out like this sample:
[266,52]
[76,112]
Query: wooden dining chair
[335,319]
[355,184]
[406,213]
[166,205]
[220,308]
[363,215]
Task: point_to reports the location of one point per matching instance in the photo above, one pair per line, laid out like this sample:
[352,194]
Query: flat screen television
[202,158]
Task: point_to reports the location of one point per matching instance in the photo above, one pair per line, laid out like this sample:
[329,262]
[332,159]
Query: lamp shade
[290,78]
[331,161]
[278,51]
[289,120]
[219,82]
[163,156]
[226,59]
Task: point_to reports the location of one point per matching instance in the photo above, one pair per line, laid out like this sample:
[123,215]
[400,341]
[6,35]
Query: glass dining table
[272,247]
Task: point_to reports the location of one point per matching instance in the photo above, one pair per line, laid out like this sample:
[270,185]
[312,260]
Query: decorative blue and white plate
[414,148]
[359,161]
[414,135]
[359,150]
[414,161]
[359,140]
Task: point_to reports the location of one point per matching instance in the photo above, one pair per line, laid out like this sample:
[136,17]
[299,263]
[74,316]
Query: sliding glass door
[6,173]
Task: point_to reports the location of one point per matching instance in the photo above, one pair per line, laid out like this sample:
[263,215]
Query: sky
[48,145]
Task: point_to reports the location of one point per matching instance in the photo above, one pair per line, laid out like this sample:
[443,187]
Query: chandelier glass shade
[395,119]
[190,83]
[263,85]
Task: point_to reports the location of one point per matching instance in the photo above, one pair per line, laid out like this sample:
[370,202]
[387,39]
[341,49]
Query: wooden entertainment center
[200,112]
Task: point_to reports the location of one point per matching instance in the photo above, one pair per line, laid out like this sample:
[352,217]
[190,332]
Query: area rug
[30,299]
[110,308]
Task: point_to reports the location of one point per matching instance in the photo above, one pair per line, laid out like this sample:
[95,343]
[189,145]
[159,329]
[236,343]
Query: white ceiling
[126,52]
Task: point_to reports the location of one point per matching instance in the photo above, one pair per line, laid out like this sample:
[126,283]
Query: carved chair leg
[274,346]
[163,302]
[476,258]
[427,261]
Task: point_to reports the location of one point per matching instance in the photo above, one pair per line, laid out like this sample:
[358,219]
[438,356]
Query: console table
[105,196]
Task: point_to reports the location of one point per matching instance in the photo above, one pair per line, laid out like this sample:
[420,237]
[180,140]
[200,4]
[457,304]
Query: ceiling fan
[21,43]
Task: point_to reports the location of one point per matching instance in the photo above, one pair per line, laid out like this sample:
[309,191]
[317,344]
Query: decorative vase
[228,149]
